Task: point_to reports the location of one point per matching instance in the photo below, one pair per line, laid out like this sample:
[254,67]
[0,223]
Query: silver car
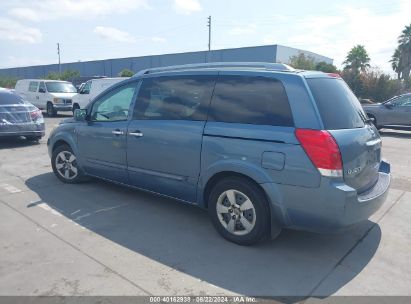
[395,112]
[19,118]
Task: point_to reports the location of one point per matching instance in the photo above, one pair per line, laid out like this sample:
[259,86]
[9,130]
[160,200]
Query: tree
[66,75]
[302,62]
[396,62]
[126,73]
[403,53]
[357,59]
[326,67]
[7,82]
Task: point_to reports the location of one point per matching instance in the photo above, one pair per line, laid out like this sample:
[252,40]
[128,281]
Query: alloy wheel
[236,212]
[66,165]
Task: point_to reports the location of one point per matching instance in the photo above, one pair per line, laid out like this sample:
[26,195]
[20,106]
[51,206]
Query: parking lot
[101,239]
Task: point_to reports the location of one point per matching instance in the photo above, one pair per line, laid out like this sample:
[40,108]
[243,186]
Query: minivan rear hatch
[358,140]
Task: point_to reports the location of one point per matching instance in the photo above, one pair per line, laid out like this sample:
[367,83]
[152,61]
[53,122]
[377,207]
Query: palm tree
[405,37]
[396,62]
[404,49]
[357,59]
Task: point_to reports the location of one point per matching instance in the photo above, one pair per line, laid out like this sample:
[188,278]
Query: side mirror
[389,105]
[80,115]
[41,90]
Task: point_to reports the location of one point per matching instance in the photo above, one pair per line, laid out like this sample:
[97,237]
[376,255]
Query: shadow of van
[287,269]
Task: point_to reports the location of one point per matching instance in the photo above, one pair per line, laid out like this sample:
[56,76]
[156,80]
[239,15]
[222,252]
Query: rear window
[250,100]
[7,98]
[338,106]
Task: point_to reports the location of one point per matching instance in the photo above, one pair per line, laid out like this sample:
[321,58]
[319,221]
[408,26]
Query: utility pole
[209,33]
[209,38]
[58,52]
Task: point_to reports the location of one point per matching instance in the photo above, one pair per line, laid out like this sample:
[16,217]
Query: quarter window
[250,100]
[115,105]
[174,98]
[33,86]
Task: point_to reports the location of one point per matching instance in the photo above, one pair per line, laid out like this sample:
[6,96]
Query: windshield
[60,87]
[338,106]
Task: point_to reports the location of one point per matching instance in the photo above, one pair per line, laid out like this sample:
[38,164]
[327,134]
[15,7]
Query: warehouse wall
[111,67]
[284,53]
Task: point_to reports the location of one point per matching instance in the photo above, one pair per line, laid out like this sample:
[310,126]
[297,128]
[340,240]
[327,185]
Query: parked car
[261,146]
[49,95]
[19,118]
[91,89]
[395,112]
[366,101]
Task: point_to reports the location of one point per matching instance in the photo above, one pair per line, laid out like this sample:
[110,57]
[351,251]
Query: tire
[33,138]
[51,112]
[374,121]
[75,107]
[62,161]
[237,224]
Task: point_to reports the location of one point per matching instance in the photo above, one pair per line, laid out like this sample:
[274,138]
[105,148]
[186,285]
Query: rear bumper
[330,208]
[29,129]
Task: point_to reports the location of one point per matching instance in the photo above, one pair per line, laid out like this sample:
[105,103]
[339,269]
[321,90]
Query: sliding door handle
[117,132]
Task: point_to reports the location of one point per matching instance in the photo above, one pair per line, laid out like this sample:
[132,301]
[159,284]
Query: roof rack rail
[214,65]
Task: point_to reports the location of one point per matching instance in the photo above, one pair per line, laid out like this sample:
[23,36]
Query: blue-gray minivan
[260,146]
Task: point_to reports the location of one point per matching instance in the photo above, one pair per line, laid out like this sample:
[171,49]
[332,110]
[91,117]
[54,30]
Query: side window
[115,105]
[174,98]
[250,100]
[42,87]
[404,101]
[86,88]
[407,102]
[33,86]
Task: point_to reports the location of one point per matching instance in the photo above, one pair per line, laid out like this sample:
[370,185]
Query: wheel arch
[58,143]
[214,179]
[63,137]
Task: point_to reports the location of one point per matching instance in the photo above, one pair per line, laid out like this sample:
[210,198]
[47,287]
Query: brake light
[323,151]
[334,75]
[36,115]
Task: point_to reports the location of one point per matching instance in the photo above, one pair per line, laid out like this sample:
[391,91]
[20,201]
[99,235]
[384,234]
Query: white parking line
[10,188]
[46,207]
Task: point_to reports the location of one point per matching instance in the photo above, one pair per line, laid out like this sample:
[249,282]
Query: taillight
[36,115]
[322,149]
[334,75]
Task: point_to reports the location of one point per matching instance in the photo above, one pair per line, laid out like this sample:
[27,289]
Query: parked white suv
[49,95]
[91,89]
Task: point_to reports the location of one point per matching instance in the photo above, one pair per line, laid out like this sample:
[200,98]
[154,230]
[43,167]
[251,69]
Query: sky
[101,29]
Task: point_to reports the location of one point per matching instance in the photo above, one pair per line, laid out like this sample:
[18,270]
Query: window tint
[115,105]
[337,104]
[250,100]
[8,98]
[174,97]
[33,86]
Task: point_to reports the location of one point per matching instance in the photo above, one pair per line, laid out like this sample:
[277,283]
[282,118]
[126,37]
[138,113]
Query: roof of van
[109,78]
[45,80]
[236,66]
